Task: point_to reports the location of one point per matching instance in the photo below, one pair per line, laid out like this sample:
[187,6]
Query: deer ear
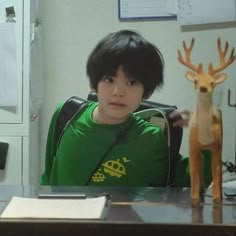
[219,78]
[190,75]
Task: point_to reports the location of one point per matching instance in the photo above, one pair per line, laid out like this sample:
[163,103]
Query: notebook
[88,208]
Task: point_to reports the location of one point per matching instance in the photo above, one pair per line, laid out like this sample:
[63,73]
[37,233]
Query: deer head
[205,82]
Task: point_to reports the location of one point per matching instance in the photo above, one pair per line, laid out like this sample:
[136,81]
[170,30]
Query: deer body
[205,133]
[205,126]
[204,114]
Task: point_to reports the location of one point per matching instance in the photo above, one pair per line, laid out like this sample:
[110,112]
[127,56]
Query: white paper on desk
[89,208]
[8,68]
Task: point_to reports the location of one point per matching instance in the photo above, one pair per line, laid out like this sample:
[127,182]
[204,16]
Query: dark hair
[139,59]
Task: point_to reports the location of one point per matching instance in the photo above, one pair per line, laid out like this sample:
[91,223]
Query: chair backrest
[68,111]
[158,114]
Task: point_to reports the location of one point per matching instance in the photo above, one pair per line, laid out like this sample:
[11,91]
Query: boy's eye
[133,82]
[108,79]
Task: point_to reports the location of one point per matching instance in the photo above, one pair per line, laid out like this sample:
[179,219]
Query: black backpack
[153,112]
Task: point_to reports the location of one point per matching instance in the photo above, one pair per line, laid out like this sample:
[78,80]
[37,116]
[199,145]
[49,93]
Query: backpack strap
[68,111]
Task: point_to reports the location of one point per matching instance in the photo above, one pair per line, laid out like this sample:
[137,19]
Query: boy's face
[118,96]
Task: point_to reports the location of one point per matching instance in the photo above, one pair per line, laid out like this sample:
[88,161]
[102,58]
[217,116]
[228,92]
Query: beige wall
[71,28]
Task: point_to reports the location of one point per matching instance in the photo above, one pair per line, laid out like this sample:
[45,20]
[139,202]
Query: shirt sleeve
[50,147]
[182,170]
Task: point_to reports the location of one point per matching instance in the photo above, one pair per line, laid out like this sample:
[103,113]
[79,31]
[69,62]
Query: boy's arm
[50,148]
[182,172]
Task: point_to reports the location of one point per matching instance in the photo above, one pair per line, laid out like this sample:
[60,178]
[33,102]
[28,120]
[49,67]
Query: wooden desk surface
[134,211]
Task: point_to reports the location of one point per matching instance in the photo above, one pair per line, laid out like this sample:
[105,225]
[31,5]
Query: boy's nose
[119,90]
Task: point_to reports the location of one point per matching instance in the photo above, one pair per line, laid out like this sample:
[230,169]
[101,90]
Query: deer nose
[203,89]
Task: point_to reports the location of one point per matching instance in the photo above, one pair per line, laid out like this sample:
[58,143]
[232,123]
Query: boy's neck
[101,118]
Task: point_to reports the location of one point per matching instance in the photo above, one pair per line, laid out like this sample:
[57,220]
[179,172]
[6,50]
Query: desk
[134,211]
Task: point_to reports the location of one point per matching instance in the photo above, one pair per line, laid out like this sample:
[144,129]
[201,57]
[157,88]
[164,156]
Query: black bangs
[139,58]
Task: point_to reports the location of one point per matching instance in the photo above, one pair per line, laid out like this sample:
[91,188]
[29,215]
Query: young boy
[106,144]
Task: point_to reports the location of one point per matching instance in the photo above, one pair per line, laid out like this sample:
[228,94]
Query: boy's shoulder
[66,112]
[141,122]
[147,127]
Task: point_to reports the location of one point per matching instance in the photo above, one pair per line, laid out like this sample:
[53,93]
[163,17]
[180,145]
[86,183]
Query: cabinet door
[229,122]
[12,113]
[12,174]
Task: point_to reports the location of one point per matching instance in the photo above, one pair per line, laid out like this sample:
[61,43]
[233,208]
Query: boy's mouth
[117,104]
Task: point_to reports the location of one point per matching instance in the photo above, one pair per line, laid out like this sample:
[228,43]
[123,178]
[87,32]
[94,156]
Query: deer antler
[187,62]
[222,54]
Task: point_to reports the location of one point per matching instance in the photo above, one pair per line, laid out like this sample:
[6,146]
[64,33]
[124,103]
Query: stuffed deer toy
[205,125]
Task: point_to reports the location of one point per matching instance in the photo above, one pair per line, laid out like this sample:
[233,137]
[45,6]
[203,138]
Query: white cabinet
[16,127]
[13,115]
[12,174]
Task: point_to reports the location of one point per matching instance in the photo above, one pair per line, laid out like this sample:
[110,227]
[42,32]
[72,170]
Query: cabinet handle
[229,98]
[3,154]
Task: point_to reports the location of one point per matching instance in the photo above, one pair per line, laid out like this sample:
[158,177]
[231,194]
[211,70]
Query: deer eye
[212,83]
[195,82]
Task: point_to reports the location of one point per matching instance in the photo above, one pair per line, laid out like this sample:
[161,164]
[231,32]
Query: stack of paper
[89,208]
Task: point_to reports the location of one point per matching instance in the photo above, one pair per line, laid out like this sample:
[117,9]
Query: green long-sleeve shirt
[138,158]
